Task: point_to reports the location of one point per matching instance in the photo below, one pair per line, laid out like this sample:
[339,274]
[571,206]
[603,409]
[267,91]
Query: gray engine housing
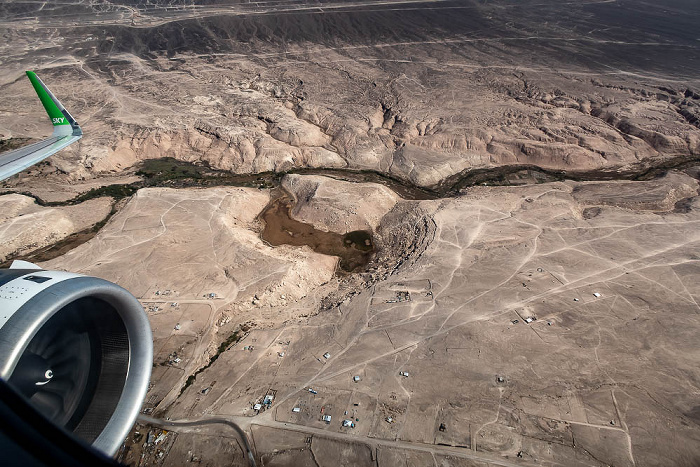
[121,346]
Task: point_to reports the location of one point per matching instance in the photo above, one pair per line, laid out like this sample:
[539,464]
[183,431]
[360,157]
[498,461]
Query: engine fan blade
[49,404]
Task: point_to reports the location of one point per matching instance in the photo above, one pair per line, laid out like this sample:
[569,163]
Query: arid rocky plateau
[509,160]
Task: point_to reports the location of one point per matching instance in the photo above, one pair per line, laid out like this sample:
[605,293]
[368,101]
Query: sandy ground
[327,204]
[182,246]
[26,226]
[606,374]
[421,91]
[581,385]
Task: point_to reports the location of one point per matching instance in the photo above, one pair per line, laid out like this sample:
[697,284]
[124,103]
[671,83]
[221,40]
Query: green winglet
[55,114]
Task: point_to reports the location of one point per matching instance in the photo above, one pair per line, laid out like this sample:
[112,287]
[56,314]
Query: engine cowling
[78,348]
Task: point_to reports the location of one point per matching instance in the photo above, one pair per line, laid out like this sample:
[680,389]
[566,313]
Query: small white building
[404,374]
[348,423]
[356,378]
[296,410]
[257,407]
[327,418]
[596,294]
[177,327]
[326,355]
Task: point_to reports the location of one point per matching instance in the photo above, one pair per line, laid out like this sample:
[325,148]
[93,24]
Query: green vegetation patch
[358,239]
[167,168]
[115,191]
[230,340]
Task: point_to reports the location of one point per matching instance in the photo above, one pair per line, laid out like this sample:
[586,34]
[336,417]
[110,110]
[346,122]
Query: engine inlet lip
[21,327]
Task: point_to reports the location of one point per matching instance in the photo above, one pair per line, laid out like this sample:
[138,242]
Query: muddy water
[354,249]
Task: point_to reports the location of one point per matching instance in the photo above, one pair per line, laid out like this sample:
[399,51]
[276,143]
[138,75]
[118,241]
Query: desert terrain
[450,233]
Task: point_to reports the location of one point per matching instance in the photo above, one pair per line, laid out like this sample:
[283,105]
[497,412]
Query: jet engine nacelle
[78,348]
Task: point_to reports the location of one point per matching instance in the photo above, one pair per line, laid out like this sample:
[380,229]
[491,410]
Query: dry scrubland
[606,374]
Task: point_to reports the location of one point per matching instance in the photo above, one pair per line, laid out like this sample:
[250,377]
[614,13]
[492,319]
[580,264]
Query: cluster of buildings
[153,444]
[266,402]
[174,359]
[401,296]
[164,292]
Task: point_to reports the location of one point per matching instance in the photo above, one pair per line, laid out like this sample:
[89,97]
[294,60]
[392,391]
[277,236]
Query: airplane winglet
[63,122]
[66,131]
[19,264]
